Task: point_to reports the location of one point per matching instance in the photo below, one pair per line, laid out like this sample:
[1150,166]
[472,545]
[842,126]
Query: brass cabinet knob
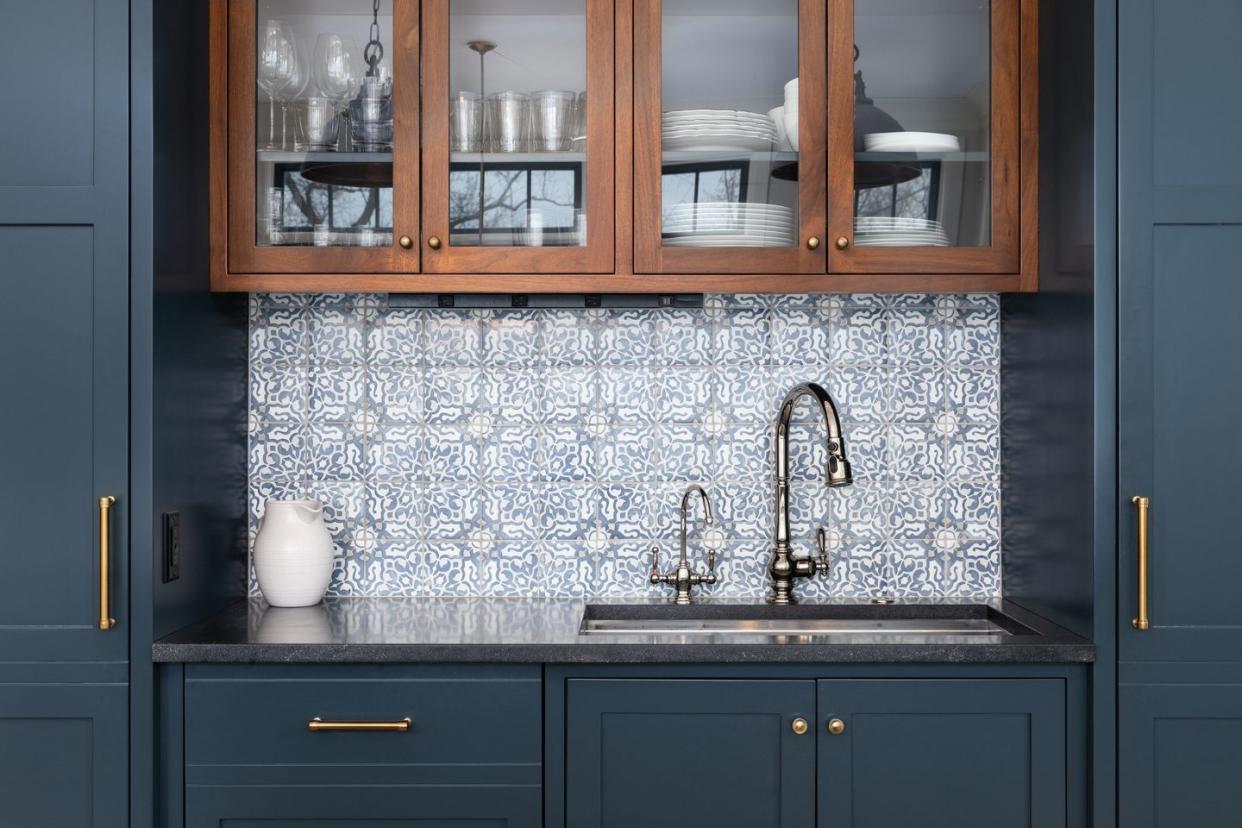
[434,243]
[842,243]
[836,727]
[406,242]
[813,243]
[799,726]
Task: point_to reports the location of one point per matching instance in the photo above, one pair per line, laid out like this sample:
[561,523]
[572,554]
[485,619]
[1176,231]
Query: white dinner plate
[911,142]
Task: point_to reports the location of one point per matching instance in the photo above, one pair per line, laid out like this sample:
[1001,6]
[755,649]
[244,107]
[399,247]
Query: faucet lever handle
[822,564]
[656,577]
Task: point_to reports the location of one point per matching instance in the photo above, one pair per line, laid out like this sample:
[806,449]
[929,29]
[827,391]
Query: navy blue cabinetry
[1180,187]
[977,752]
[776,747]
[64,268]
[335,747]
[685,753]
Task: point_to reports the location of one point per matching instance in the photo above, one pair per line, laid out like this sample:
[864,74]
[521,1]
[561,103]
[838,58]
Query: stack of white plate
[929,142]
[881,231]
[718,130]
[728,224]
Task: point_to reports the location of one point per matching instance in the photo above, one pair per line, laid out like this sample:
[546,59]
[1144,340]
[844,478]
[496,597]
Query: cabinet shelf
[500,159]
[291,157]
[920,157]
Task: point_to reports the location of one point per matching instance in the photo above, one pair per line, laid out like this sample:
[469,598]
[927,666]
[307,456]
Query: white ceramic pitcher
[293,553]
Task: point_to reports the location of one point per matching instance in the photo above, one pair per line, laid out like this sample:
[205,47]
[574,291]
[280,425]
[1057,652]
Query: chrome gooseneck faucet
[784,567]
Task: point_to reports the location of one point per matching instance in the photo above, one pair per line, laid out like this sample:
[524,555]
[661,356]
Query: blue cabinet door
[1179,333]
[1180,754]
[63,758]
[64,265]
[681,753]
[936,753]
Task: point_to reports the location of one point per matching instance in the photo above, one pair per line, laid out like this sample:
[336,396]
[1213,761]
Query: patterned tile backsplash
[543,453]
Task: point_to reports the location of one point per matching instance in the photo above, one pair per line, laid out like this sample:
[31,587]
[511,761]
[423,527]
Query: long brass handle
[318,725]
[1142,622]
[106,621]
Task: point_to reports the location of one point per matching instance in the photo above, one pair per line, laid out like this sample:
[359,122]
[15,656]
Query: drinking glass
[509,121]
[277,58]
[554,122]
[465,122]
[298,82]
[338,69]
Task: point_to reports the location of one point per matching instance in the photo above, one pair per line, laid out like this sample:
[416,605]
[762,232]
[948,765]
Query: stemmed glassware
[277,67]
[338,70]
[298,83]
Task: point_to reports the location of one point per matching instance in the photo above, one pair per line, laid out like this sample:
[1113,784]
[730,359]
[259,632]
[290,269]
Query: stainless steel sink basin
[803,621]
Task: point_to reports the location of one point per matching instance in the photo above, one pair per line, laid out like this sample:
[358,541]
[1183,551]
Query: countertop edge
[1034,653]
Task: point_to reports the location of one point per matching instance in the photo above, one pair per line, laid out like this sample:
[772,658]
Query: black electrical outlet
[172,546]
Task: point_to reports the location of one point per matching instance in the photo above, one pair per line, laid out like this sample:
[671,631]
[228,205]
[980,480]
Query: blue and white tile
[278,391]
[450,453]
[512,396]
[799,337]
[684,338]
[451,512]
[452,339]
[396,393]
[511,455]
[451,396]
[336,394]
[395,337]
[568,511]
[626,338]
[744,337]
[566,454]
[396,452]
[628,453]
[335,451]
[337,335]
[511,339]
[512,511]
[567,338]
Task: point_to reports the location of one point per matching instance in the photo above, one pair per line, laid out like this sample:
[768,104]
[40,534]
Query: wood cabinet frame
[233,143]
[624,254]
[1013,103]
[650,256]
[594,257]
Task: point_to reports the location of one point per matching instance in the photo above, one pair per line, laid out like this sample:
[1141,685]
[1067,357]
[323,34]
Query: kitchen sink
[802,621]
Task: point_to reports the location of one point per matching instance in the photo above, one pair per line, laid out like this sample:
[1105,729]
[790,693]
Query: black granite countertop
[370,630]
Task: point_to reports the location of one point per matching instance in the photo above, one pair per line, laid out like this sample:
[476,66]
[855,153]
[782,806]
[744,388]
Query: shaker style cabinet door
[676,753]
[1179,388]
[315,118]
[932,139]
[64,206]
[518,137]
[1179,754]
[942,753]
[63,757]
[730,115]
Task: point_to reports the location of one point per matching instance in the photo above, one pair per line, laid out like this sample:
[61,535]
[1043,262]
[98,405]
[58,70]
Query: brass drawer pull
[318,725]
[1142,623]
[106,621]
[836,726]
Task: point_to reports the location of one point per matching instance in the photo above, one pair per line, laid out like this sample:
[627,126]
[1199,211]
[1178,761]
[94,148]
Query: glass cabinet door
[324,137]
[518,117]
[924,137]
[730,116]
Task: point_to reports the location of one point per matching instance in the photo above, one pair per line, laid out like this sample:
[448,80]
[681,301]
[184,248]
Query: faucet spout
[783,567]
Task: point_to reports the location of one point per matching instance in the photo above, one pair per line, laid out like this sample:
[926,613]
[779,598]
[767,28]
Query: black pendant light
[868,120]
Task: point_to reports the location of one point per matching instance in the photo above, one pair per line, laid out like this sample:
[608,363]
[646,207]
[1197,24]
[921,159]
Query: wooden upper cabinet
[718,187]
[317,131]
[933,143]
[518,117]
[613,146]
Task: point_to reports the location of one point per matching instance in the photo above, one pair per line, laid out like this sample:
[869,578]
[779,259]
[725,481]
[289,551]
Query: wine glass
[277,57]
[337,69]
[298,83]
